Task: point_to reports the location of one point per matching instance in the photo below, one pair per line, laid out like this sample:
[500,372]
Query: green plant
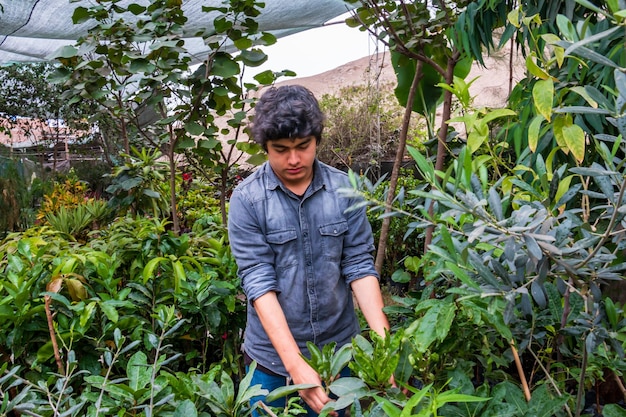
[139,185]
[369,392]
[573,86]
[361,128]
[58,294]
[69,192]
[138,75]
[137,384]
[79,220]
[15,197]
[525,259]
[406,245]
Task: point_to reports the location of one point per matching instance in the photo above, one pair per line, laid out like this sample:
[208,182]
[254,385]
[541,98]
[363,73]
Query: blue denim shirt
[308,250]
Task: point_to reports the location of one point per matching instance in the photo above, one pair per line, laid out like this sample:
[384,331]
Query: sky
[314,51]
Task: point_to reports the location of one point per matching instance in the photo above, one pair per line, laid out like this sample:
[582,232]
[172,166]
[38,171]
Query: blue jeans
[270,383]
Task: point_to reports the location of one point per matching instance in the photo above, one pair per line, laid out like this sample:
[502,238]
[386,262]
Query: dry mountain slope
[490,89]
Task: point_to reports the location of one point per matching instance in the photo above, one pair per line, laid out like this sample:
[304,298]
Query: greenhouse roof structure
[33,30]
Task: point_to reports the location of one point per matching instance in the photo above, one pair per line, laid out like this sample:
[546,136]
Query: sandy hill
[490,89]
[369,69]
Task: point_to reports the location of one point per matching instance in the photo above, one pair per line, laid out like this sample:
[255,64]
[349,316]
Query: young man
[301,253]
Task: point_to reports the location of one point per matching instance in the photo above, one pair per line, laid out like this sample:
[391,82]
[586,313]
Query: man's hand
[275,325]
[316,398]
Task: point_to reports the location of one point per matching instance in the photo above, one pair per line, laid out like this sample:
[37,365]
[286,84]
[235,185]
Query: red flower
[187,176]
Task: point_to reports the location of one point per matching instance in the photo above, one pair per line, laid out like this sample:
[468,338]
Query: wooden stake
[520,371]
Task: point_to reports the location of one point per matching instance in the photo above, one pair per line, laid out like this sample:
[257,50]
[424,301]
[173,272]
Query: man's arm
[370,301]
[275,324]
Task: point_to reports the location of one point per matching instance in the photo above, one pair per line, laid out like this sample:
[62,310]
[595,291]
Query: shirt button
[308,263]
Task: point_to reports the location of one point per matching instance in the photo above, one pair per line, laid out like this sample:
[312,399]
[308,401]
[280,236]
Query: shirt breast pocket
[284,244]
[332,236]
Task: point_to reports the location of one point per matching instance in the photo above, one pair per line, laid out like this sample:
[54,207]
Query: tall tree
[418,36]
[30,103]
[139,72]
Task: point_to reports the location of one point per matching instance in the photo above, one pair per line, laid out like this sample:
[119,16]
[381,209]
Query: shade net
[33,30]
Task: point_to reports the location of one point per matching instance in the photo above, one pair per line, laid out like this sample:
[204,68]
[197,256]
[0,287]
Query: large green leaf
[433,325]
[543,94]
[186,409]
[138,371]
[574,137]
[428,95]
[570,136]
[533,132]
[225,66]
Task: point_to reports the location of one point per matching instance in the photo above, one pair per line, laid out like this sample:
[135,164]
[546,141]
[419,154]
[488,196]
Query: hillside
[490,89]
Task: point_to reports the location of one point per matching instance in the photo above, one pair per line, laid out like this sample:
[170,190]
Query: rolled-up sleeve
[358,259]
[254,256]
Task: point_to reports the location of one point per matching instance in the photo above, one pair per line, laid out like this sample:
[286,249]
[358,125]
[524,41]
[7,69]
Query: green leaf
[266,77]
[80,15]
[138,372]
[433,325]
[148,270]
[574,138]
[543,94]
[253,57]
[611,312]
[287,390]
[179,275]
[534,69]
[583,92]
[347,386]
[453,397]
[533,132]
[561,120]
[108,308]
[66,51]
[142,65]
[428,95]
[613,410]
[340,359]
[401,276]
[186,409]
[136,9]
[224,66]
[243,43]
[461,275]
[257,159]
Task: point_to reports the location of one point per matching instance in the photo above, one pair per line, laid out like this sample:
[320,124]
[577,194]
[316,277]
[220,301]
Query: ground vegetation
[127,302]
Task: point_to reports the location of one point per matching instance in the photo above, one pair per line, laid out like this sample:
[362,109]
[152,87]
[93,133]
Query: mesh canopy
[32,30]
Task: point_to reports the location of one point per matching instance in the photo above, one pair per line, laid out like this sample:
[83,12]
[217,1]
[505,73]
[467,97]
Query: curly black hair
[289,111]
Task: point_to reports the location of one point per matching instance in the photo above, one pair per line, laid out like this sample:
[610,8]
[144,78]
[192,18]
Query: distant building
[49,142]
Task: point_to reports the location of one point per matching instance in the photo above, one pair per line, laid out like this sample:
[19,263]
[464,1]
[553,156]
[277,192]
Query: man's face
[292,161]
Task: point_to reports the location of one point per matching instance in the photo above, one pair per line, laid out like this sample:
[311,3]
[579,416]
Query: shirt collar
[273,182]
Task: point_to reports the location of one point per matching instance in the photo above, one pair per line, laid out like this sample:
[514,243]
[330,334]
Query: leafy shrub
[77,221]
[405,245]
[169,295]
[197,201]
[508,276]
[15,197]
[95,174]
[69,192]
[140,186]
[362,127]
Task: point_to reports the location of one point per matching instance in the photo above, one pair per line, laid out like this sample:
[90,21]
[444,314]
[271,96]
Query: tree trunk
[441,137]
[393,180]
[172,156]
